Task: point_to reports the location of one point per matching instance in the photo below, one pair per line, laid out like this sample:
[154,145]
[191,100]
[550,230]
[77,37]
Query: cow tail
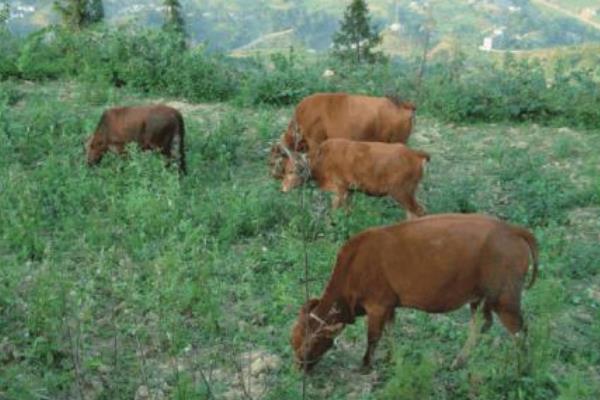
[533,249]
[182,164]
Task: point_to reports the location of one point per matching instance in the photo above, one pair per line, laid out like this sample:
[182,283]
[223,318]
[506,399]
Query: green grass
[124,278]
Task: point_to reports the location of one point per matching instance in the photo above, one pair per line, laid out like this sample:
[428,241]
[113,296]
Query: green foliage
[515,91]
[174,21]
[126,277]
[95,11]
[356,39]
[459,89]
[10,94]
[49,54]
[412,377]
[286,82]
[146,60]
[78,14]
[9,53]
[200,76]
[4,14]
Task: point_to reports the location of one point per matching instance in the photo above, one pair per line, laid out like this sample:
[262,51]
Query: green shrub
[49,53]
[199,76]
[10,47]
[412,377]
[286,82]
[512,91]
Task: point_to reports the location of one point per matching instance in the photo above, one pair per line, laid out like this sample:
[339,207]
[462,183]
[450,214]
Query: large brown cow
[378,169]
[436,264]
[325,116]
[152,127]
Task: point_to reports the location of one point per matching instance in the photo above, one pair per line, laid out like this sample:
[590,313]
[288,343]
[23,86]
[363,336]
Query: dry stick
[115,351]
[143,363]
[246,391]
[209,392]
[72,343]
[428,28]
[305,251]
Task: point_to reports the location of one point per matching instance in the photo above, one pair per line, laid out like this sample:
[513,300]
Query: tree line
[354,42]
[80,14]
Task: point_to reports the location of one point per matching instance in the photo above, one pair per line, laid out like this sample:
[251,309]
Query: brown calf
[436,264]
[325,116]
[378,169]
[152,127]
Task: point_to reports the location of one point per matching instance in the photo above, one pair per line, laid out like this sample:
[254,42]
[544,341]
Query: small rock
[328,73]
[142,393]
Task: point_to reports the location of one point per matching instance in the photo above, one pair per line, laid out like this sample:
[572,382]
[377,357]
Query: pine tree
[95,11]
[356,38]
[173,18]
[4,13]
[77,14]
[72,12]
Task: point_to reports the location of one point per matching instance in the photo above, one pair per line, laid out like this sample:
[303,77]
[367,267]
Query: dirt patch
[187,108]
[586,220]
[251,375]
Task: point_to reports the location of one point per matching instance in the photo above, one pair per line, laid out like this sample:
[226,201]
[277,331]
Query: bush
[10,47]
[412,377]
[287,82]
[50,53]
[202,77]
[513,91]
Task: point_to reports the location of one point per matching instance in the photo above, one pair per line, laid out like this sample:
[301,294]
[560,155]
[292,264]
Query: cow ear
[301,146]
[332,330]
[310,305]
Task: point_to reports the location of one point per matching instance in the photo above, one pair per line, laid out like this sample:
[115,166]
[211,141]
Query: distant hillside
[236,24]
[272,42]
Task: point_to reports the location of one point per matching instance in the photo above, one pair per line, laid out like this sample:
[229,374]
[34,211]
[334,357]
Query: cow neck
[330,296]
[334,292]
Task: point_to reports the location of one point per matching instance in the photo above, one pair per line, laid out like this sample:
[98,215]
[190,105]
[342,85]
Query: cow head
[291,167]
[277,161]
[296,170]
[95,147]
[313,336]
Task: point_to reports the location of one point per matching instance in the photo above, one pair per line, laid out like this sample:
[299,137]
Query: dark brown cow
[378,169]
[152,127]
[436,264]
[325,116]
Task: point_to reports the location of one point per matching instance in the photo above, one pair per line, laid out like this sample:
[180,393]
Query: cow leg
[377,317]
[407,199]
[389,337]
[510,315]
[508,308]
[488,318]
[474,332]
[340,197]
[167,151]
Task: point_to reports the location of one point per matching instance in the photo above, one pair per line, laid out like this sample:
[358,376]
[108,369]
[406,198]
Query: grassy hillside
[124,281]
[584,8]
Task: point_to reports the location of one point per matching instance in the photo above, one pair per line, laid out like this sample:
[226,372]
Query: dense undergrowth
[126,281]
[455,87]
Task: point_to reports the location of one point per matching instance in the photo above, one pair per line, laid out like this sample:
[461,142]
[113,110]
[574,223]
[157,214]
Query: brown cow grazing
[152,127]
[378,169]
[436,264]
[325,116]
